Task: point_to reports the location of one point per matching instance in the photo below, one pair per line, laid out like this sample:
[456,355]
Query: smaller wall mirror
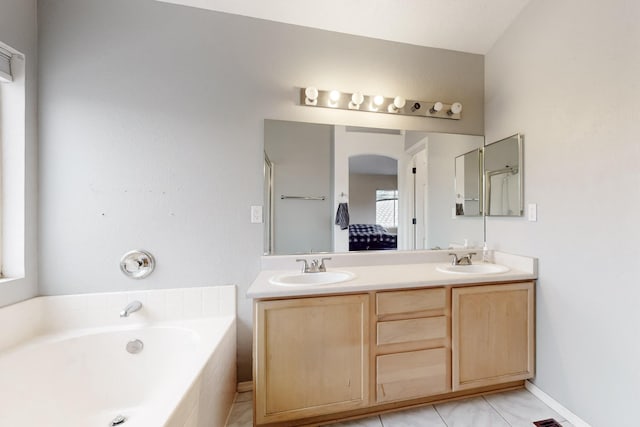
[503,177]
[468,183]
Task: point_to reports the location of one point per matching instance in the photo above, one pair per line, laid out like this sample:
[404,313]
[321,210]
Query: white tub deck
[63,374]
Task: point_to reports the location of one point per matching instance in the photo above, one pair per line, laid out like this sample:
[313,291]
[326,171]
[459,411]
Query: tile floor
[509,409]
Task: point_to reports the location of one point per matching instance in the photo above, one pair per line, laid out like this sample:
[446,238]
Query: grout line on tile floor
[440,415]
[497,411]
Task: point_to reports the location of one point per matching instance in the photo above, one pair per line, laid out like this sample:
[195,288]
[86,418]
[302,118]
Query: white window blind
[5,66]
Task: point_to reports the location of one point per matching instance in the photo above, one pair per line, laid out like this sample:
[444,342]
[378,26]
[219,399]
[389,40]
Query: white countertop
[393,276]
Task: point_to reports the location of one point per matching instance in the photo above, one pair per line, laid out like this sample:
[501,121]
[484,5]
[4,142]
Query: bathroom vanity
[393,336]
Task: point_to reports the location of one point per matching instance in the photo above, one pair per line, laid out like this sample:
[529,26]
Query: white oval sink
[311,279]
[473,269]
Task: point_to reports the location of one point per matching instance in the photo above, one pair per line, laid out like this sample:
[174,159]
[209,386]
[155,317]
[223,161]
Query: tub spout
[132,307]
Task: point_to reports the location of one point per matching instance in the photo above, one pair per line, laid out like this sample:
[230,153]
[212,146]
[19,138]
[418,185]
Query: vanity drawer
[402,331]
[411,375]
[411,301]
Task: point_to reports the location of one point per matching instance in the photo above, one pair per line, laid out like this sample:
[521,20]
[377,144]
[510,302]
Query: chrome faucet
[464,260]
[132,307]
[315,266]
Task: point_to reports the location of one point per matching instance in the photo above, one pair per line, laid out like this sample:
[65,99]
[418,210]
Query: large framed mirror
[504,188]
[396,186]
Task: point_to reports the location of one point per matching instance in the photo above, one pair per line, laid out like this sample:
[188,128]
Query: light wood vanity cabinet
[352,354]
[493,334]
[312,356]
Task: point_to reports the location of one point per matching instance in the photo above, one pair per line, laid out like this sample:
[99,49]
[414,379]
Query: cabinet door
[492,334]
[311,356]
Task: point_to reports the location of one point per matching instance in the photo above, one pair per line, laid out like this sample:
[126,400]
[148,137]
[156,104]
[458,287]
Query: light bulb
[436,107]
[357,98]
[378,100]
[334,96]
[456,108]
[397,104]
[311,94]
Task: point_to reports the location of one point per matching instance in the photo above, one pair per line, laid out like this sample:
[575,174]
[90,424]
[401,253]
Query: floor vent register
[547,423]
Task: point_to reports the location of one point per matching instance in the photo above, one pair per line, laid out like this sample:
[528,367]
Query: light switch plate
[256,214]
[532,212]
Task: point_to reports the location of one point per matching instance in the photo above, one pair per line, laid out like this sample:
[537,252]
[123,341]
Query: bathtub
[71,366]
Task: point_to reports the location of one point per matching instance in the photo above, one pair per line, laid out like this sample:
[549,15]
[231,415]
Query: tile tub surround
[208,398]
[378,271]
[517,408]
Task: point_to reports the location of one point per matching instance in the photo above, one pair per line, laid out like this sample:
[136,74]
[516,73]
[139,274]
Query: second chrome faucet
[463,260]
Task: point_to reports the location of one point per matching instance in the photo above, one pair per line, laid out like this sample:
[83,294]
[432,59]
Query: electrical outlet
[256,214]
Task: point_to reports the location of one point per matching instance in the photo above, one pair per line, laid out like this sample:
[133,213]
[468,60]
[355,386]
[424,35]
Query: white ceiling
[463,25]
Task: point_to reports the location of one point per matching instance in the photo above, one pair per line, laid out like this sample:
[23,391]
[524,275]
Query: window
[387,208]
[5,79]
[12,163]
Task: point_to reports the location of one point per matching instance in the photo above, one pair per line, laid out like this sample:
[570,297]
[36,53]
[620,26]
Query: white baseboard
[245,386]
[553,404]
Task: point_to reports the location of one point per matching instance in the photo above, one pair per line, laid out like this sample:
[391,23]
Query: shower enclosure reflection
[468,183]
[503,177]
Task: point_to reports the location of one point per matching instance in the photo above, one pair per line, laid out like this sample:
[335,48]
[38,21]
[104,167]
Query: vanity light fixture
[312,97]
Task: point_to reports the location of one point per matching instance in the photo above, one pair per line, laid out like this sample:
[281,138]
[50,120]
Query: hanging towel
[342,216]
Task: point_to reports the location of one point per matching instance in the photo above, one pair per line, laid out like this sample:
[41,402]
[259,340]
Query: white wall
[566,75]
[18,30]
[152,130]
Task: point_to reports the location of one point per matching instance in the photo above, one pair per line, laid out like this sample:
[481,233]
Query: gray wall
[152,131]
[18,29]
[566,75]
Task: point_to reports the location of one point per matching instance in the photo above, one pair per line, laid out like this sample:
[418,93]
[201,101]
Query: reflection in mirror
[503,177]
[323,166]
[468,184]
[373,202]
[301,195]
